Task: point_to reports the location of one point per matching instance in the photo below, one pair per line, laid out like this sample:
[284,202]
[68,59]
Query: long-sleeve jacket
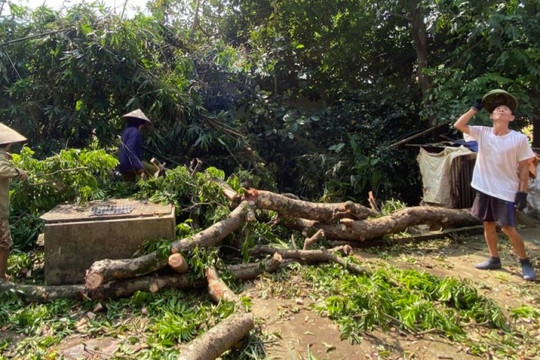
[7,172]
[130,150]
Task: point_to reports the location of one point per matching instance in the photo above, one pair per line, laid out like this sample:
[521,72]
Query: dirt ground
[300,333]
[297,332]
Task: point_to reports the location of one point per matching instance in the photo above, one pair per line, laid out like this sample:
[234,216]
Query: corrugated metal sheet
[461,192]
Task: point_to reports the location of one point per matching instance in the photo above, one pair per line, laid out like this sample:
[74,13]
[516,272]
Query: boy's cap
[9,136]
[136,114]
[499,97]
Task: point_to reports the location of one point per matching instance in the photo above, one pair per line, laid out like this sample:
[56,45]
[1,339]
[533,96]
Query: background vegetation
[309,95]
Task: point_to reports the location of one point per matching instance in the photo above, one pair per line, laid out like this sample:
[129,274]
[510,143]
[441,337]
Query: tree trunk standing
[195,23]
[419,35]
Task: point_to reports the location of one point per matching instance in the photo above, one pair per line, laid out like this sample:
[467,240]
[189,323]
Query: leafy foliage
[405,299]
[72,175]
[197,197]
[493,45]
[306,95]
[174,317]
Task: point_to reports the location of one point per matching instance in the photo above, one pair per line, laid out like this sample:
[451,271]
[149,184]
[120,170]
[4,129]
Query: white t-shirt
[496,169]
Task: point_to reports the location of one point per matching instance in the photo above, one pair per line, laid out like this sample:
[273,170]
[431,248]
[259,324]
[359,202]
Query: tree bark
[322,212]
[354,231]
[419,35]
[536,132]
[220,338]
[113,289]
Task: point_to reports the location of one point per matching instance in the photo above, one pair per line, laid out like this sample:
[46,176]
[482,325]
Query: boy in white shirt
[500,175]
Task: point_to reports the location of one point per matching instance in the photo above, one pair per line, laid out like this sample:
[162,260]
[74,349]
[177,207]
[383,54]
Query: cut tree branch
[106,270]
[217,289]
[288,207]
[253,270]
[127,287]
[226,334]
[313,256]
[113,289]
[348,228]
[220,338]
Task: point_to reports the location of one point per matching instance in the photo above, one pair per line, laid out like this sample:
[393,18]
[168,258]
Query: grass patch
[148,326]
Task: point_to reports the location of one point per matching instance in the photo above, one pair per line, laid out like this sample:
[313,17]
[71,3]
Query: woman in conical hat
[9,136]
[130,159]
[8,171]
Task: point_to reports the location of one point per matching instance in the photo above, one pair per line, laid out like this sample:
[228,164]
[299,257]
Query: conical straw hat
[8,135]
[137,114]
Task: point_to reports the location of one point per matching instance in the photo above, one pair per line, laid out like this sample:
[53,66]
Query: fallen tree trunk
[402,219]
[354,230]
[226,334]
[220,338]
[127,287]
[106,270]
[322,212]
[297,214]
[113,289]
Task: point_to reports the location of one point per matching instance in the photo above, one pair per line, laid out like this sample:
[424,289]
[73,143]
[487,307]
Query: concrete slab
[77,236]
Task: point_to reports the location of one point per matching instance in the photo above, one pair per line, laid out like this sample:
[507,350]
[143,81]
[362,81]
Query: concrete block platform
[77,236]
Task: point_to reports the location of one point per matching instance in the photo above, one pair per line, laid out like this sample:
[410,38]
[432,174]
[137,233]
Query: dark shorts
[490,209]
